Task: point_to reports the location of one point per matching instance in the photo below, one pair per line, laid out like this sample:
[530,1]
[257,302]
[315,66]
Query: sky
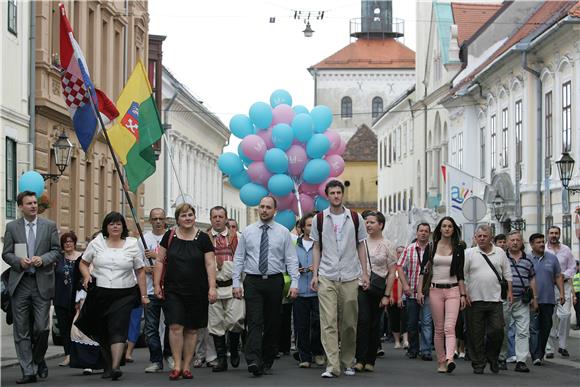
[229,55]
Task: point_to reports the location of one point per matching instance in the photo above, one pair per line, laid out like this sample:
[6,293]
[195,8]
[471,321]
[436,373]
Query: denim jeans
[426,328]
[152,317]
[413,315]
[540,326]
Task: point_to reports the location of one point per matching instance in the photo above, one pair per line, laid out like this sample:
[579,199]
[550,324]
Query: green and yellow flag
[137,128]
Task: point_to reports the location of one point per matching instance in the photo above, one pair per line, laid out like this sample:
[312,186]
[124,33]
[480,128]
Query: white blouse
[114,267]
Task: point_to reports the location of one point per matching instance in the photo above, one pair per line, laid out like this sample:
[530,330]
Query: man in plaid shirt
[409,268]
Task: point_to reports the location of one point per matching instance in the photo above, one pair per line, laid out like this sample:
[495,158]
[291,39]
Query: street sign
[474,209]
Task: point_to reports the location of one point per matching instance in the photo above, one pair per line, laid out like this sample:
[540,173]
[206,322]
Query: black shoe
[253,368]
[234,344]
[450,367]
[106,374]
[494,366]
[26,379]
[411,355]
[222,353]
[549,355]
[42,370]
[564,352]
[267,369]
[478,371]
[521,367]
[296,356]
[116,374]
[221,365]
[427,357]
[502,365]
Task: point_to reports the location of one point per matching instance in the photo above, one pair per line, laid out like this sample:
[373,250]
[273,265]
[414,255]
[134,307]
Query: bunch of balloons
[31,181]
[286,151]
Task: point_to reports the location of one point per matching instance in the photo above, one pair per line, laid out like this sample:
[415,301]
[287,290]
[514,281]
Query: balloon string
[297,194]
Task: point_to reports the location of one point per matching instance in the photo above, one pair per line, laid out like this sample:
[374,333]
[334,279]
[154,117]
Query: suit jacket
[47,247]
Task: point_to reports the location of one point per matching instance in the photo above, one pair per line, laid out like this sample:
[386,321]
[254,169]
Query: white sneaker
[537,362]
[328,375]
[170,362]
[349,372]
[153,368]
[462,355]
[87,371]
[511,359]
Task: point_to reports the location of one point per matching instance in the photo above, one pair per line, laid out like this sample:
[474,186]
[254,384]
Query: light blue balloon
[282,136]
[280,97]
[320,203]
[321,117]
[230,164]
[299,109]
[302,126]
[241,126]
[261,115]
[280,184]
[317,146]
[316,171]
[240,180]
[276,160]
[31,181]
[252,193]
[286,218]
[245,159]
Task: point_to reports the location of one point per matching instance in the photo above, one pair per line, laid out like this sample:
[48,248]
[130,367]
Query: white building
[514,106]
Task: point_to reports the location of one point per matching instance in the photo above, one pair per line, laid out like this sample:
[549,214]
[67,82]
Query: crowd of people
[209,294]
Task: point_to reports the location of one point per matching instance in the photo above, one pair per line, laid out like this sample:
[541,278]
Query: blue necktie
[263,263]
[31,245]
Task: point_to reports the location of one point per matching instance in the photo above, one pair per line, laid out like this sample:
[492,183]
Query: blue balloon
[241,125]
[31,181]
[280,184]
[252,193]
[280,97]
[276,160]
[298,109]
[282,136]
[261,115]
[230,164]
[302,126]
[240,180]
[317,146]
[245,159]
[320,203]
[286,218]
[316,171]
[321,117]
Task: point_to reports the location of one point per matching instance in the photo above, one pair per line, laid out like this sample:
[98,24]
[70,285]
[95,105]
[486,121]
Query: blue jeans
[152,317]
[413,315]
[511,340]
[426,328]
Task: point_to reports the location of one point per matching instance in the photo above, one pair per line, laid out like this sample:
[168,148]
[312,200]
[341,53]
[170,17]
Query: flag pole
[129,201]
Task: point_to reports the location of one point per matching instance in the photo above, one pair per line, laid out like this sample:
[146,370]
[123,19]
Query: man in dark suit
[31,248]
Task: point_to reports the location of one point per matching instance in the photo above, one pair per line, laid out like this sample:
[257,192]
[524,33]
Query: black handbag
[6,304]
[427,269]
[377,284]
[502,282]
[528,293]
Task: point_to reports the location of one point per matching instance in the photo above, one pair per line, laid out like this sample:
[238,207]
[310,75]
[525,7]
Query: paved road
[392,370]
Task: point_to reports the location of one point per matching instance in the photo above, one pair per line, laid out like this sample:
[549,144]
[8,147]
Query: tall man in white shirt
[485,312]
[265,251]
[562,313]
[338,257]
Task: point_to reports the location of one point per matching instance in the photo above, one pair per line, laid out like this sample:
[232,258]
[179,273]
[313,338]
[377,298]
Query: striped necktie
[263,263]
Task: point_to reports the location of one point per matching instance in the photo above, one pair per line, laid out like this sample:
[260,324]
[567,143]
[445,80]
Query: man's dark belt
[224,284]
[263,276]
[444,286]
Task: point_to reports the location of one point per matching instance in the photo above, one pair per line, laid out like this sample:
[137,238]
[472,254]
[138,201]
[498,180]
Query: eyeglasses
[69,241]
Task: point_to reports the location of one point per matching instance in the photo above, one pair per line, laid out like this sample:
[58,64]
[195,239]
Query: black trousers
[540,326]
[485,321]
[64,318]
[307,328]
[285,329]
[367,330]
[263,298]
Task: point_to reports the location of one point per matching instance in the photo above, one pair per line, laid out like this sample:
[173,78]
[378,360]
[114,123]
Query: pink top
[441,268]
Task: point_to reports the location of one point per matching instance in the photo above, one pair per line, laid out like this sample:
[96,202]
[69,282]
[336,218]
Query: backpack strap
[355,220]
[319,223]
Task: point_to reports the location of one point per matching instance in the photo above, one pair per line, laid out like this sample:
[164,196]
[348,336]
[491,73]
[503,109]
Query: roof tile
[469,17]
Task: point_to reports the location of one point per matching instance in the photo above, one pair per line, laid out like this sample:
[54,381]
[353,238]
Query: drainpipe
[166,161]
[536,74]
[32,86]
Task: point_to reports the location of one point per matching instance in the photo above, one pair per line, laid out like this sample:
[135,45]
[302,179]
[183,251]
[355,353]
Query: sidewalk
[10,359]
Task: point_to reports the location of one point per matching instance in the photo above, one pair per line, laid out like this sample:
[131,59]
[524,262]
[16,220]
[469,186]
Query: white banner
[459,187]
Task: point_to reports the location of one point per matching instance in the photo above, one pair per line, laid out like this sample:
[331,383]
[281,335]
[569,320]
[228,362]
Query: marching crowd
[207,294]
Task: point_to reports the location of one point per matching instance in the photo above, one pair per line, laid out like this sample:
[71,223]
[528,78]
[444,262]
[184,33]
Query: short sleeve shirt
[547,269]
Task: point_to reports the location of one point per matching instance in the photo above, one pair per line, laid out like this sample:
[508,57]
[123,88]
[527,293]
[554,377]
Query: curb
[12,363]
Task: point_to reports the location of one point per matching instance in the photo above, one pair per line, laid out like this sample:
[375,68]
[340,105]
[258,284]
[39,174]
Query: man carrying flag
[77,88]
[137,130]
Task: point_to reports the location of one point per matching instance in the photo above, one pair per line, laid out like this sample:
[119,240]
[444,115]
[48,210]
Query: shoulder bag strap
[491,265]
[368,256]
[319,223]
[518,272]
[354,217]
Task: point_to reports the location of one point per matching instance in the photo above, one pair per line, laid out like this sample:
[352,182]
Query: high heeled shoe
[174,374]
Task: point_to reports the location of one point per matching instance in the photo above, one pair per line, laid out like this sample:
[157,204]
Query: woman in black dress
[186,264]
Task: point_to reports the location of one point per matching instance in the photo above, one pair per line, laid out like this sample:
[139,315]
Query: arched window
[377,106]
[346,107]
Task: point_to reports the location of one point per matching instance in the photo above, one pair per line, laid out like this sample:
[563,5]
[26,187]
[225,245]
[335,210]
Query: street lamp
[308,31]
[565,168]
[62,150]
[498,206]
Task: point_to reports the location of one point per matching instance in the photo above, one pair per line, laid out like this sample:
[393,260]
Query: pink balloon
[282,114]
[259,173]
[334,139]
[285,202]
[306,202]
[340,150]
[308,189]
[266,135]
[297,159]
[336,164]
[322,186]
[254,147]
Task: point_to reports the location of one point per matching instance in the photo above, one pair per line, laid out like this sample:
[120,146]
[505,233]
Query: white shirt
[307,244]
[152,241]
[338,222]
[482,283]
[114,268]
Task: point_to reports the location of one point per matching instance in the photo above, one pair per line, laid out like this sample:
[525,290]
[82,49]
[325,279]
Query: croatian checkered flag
[76,83]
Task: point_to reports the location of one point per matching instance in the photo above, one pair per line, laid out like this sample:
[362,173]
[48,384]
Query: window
[549,132]
[460,150]
[504,138]
[346,107]
[410,198]
[567,116]
[405,138]
[10,178]
[453,151]
[390,149]
[380,158]
[411,138]
[12,17]
[377,106]
[482,152]
[493,142]
[399,142]
[519,134]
